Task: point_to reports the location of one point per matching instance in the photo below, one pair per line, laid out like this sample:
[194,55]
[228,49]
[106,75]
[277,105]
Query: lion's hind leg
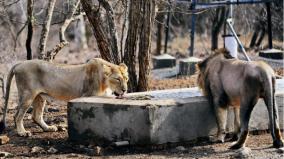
[245,112]
[24,103]
[39,104]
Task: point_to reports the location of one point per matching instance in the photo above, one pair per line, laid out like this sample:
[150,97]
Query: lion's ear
[123,67]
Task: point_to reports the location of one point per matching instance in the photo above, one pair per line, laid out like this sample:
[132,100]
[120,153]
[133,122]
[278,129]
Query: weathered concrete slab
[272,53]
[187,66]
[171,116]
[163,61]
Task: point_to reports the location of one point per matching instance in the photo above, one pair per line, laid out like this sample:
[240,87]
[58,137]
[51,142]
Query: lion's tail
[269,99]
[8,84]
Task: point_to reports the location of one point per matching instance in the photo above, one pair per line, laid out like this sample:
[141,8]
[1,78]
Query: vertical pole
[167,28]
[269,25]
[192,28]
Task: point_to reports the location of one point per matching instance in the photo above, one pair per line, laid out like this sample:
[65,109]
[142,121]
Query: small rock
[62,127]
[4,139]
[52,150]
[95,151]
[30,110]
[280,150]
[58,120]
[53,109]
[81,146]
[243,152]
[37,149]
[72,155]
[98,150]
[6,154]
[180,148]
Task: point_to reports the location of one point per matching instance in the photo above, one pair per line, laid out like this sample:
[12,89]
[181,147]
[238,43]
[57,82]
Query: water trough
[158,117]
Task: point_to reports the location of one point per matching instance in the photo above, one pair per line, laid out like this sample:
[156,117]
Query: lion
[37,79]
[228,81]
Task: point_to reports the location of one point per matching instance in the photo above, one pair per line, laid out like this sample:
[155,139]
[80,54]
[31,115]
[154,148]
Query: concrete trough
[176,115]
[163,61]
[272,54]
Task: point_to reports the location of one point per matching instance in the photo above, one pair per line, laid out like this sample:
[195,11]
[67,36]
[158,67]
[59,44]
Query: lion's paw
[25,133]
[51,128]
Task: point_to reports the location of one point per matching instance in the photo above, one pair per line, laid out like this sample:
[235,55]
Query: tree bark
[160,22]
[112,30]
[93,15]
[30,6]
[253,39]
[45,30]
[261,37]
[148,13]
[218,21]
[134,18]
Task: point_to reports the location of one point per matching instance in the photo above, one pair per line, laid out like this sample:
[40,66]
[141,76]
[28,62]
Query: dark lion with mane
[229,81]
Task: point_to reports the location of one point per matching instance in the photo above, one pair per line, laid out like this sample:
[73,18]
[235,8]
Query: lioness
[36,79]
[228,81]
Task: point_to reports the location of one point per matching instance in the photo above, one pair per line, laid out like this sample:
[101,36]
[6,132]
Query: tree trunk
[45,30]
[160,25]
[148,12]
[218,21]
[94,17]
[112,30]
[261,37]
[30,6]
[80,34]
[253,39]
[134,18]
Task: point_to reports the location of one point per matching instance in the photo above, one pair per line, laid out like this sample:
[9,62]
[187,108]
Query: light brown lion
[229,81]
[37,79]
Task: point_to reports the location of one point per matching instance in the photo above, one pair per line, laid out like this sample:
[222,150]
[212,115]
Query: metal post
[192,28]
[167,28]
[269,25]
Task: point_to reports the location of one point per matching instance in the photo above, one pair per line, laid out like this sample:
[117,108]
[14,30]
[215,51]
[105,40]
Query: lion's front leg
[39,105]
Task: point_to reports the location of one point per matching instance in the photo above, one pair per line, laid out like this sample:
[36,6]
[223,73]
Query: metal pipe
[228,2]
[192,29]
[229,21]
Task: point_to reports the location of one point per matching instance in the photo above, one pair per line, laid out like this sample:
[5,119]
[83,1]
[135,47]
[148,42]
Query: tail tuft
[2,127]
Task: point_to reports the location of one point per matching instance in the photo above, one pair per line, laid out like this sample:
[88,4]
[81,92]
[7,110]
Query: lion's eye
[117,79]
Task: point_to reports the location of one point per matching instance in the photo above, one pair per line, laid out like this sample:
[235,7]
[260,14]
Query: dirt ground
[56,144]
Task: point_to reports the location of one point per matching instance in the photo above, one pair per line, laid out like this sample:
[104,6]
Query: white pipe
[229,21]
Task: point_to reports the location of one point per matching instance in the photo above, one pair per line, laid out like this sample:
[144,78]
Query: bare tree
[50,55]
[30,6]
[148,15]
[134,19]
[45,29]
[93,14]
[218,20]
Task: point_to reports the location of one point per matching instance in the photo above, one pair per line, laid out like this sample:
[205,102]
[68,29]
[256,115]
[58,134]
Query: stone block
[163,61]
[187,66]
[176,115]
[271,53]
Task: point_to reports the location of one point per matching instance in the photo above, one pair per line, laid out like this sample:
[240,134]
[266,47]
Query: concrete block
[176,115]
[187,66]
[163,61]
[271,53]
